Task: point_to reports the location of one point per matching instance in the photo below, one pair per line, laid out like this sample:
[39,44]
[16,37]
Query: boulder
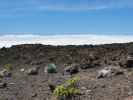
[110,71]
[55,81]
[129,63]
[5,73]
[33,71]
[116,71]
[104,72]
[3,85]
[22,70]
[34,95]
[86,66]
[72,69]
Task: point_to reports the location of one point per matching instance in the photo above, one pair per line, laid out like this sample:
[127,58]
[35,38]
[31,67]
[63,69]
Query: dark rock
[33,71]
[55,81]
[129,62]
[5,73]
[73,69]
[116,71]
[36,62]
[34,94]
[86,66]
[52,87]
[3,85]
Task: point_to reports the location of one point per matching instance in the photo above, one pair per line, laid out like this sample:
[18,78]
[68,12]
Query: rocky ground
[105,71]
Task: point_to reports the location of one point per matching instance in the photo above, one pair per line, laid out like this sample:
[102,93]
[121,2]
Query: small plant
[68,89]
[51,68]
[73,81]
[8,67]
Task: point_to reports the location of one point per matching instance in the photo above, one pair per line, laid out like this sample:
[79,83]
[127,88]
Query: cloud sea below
[67,39]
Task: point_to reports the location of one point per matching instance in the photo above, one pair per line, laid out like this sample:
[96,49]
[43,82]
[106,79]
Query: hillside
[88,59]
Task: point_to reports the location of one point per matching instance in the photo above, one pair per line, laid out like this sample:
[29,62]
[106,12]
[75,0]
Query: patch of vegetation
[68,89]
[8,67]
[51,68]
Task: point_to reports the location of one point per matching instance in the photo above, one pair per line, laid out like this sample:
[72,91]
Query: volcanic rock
[3,85]
[5,73]
[129,61]
[72,69]
[109,71]
[33,71]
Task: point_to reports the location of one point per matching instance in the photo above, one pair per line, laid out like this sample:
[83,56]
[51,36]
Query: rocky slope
[18,82]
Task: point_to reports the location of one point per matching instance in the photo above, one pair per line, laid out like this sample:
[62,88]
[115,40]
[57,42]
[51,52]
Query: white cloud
[9,40]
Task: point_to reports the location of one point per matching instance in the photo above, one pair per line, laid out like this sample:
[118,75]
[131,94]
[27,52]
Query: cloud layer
[9,40]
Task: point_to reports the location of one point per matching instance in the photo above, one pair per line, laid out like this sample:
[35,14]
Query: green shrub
[51,68]
[68,89]
[73,81]
[8,67]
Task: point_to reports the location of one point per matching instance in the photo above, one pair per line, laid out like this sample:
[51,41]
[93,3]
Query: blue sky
[66,16]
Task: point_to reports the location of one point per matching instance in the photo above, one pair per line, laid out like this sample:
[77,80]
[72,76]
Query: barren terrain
[89,59]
